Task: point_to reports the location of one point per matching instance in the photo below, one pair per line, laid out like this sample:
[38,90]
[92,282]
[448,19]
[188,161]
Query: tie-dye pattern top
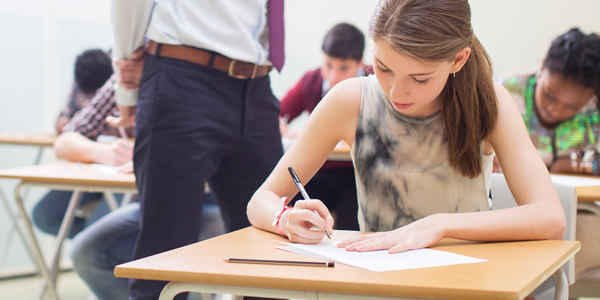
[402,168]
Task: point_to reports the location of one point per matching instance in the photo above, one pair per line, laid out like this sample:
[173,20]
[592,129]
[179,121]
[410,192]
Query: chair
[502,198]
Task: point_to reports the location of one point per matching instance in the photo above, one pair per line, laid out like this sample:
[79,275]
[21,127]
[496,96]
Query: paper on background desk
[575,181]
[379,261]
[106,169]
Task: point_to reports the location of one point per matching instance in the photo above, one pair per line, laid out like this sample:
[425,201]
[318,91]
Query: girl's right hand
[302,218]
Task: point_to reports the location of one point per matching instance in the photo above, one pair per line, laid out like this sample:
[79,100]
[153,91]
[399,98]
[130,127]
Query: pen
[122,132]
[328,264]
[124,135]
[303,192]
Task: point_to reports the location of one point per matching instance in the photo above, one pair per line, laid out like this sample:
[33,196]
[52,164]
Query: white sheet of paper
[575,181]
[379,261]
[106,169]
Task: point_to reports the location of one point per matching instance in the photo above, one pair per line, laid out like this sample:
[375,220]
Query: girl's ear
[460,59]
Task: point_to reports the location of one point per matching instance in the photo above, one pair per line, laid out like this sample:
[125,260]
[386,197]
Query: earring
[454,74]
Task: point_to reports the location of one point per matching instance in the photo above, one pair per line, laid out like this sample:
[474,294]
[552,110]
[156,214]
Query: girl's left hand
[416,235]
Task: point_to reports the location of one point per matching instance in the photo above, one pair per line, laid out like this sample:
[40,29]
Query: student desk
[341,152]
[67,176]
[513,271]
[587,196]
[40,140]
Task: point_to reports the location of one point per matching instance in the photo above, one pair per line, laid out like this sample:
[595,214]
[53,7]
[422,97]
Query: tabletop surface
[513,271]
[585,193]
[68,173]
[33,139]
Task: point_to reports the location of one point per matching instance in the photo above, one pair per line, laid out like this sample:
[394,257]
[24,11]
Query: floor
[70,287]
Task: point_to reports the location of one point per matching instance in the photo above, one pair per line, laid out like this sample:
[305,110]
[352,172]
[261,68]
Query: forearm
[75,147]
[533,221]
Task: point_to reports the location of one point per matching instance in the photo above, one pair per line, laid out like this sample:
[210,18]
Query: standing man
[205,112]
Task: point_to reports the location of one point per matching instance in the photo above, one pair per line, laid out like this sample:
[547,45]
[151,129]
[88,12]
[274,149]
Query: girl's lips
[402,105]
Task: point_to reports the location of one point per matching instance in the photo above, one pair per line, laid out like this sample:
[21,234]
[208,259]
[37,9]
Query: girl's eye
[420,81]
[382,70]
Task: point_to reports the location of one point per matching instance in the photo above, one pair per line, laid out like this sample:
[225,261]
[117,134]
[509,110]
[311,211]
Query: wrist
[283,222]
[100,152]
[280,214]
[440,224]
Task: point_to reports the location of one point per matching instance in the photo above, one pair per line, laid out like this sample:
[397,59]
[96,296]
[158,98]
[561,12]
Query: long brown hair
[435,31]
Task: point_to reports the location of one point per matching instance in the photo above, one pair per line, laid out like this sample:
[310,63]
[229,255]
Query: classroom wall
[40,38]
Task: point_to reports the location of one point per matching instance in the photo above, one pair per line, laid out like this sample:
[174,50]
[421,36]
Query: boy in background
[334,184]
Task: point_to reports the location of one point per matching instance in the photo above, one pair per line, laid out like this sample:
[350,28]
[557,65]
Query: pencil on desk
[328,264]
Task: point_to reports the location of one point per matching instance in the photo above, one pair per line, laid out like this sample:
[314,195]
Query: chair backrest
[503,198]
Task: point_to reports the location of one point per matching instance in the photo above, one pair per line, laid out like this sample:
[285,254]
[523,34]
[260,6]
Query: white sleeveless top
[402,168]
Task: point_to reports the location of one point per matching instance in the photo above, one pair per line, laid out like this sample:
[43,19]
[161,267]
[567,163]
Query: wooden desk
[341,152]
[513,271]
[587,196]
[40,140]
[29,139]
[62,176]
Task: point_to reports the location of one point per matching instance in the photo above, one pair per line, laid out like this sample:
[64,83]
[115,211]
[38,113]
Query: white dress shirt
[237,29]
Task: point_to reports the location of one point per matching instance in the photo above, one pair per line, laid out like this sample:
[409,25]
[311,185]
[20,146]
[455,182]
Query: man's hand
[126,117]
[117,153]
[129,71]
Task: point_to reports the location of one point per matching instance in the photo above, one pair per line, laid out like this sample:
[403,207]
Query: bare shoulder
[347,92]
[339,109]
[509,121]
[505,100]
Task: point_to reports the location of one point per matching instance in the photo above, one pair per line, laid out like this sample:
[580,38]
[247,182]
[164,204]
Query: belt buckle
[232,74]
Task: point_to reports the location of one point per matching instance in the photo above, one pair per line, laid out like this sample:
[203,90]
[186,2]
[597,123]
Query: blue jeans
[49,212]
[110,242]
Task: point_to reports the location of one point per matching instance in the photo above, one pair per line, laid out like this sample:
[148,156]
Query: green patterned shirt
[580,132]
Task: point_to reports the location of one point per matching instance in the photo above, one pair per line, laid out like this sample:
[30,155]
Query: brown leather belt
[234,68]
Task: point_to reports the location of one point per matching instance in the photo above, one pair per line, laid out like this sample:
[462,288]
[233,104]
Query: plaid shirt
[90,121]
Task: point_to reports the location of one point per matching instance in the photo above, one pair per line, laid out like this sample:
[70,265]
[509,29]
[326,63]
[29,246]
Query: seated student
[97,249]
[560,109]
[423,131]
[79,126]
[334,183]
[92,70]
[78,141]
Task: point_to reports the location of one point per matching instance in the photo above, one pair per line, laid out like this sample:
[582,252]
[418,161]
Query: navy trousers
[196,124]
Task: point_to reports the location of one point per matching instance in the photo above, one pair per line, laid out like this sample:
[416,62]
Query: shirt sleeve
[292,105]
[90,121]
[129,20]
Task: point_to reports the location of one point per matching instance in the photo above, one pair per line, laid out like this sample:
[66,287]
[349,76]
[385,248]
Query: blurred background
[39,40]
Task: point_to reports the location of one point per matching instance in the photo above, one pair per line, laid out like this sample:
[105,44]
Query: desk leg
[39,258]
[589,206]
[110,200]
[14,227]
[562,285]
[37,160]
[126,199]
[65,228]
[172,289]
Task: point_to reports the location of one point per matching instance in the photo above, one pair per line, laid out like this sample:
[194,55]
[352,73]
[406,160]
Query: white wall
[41,38]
